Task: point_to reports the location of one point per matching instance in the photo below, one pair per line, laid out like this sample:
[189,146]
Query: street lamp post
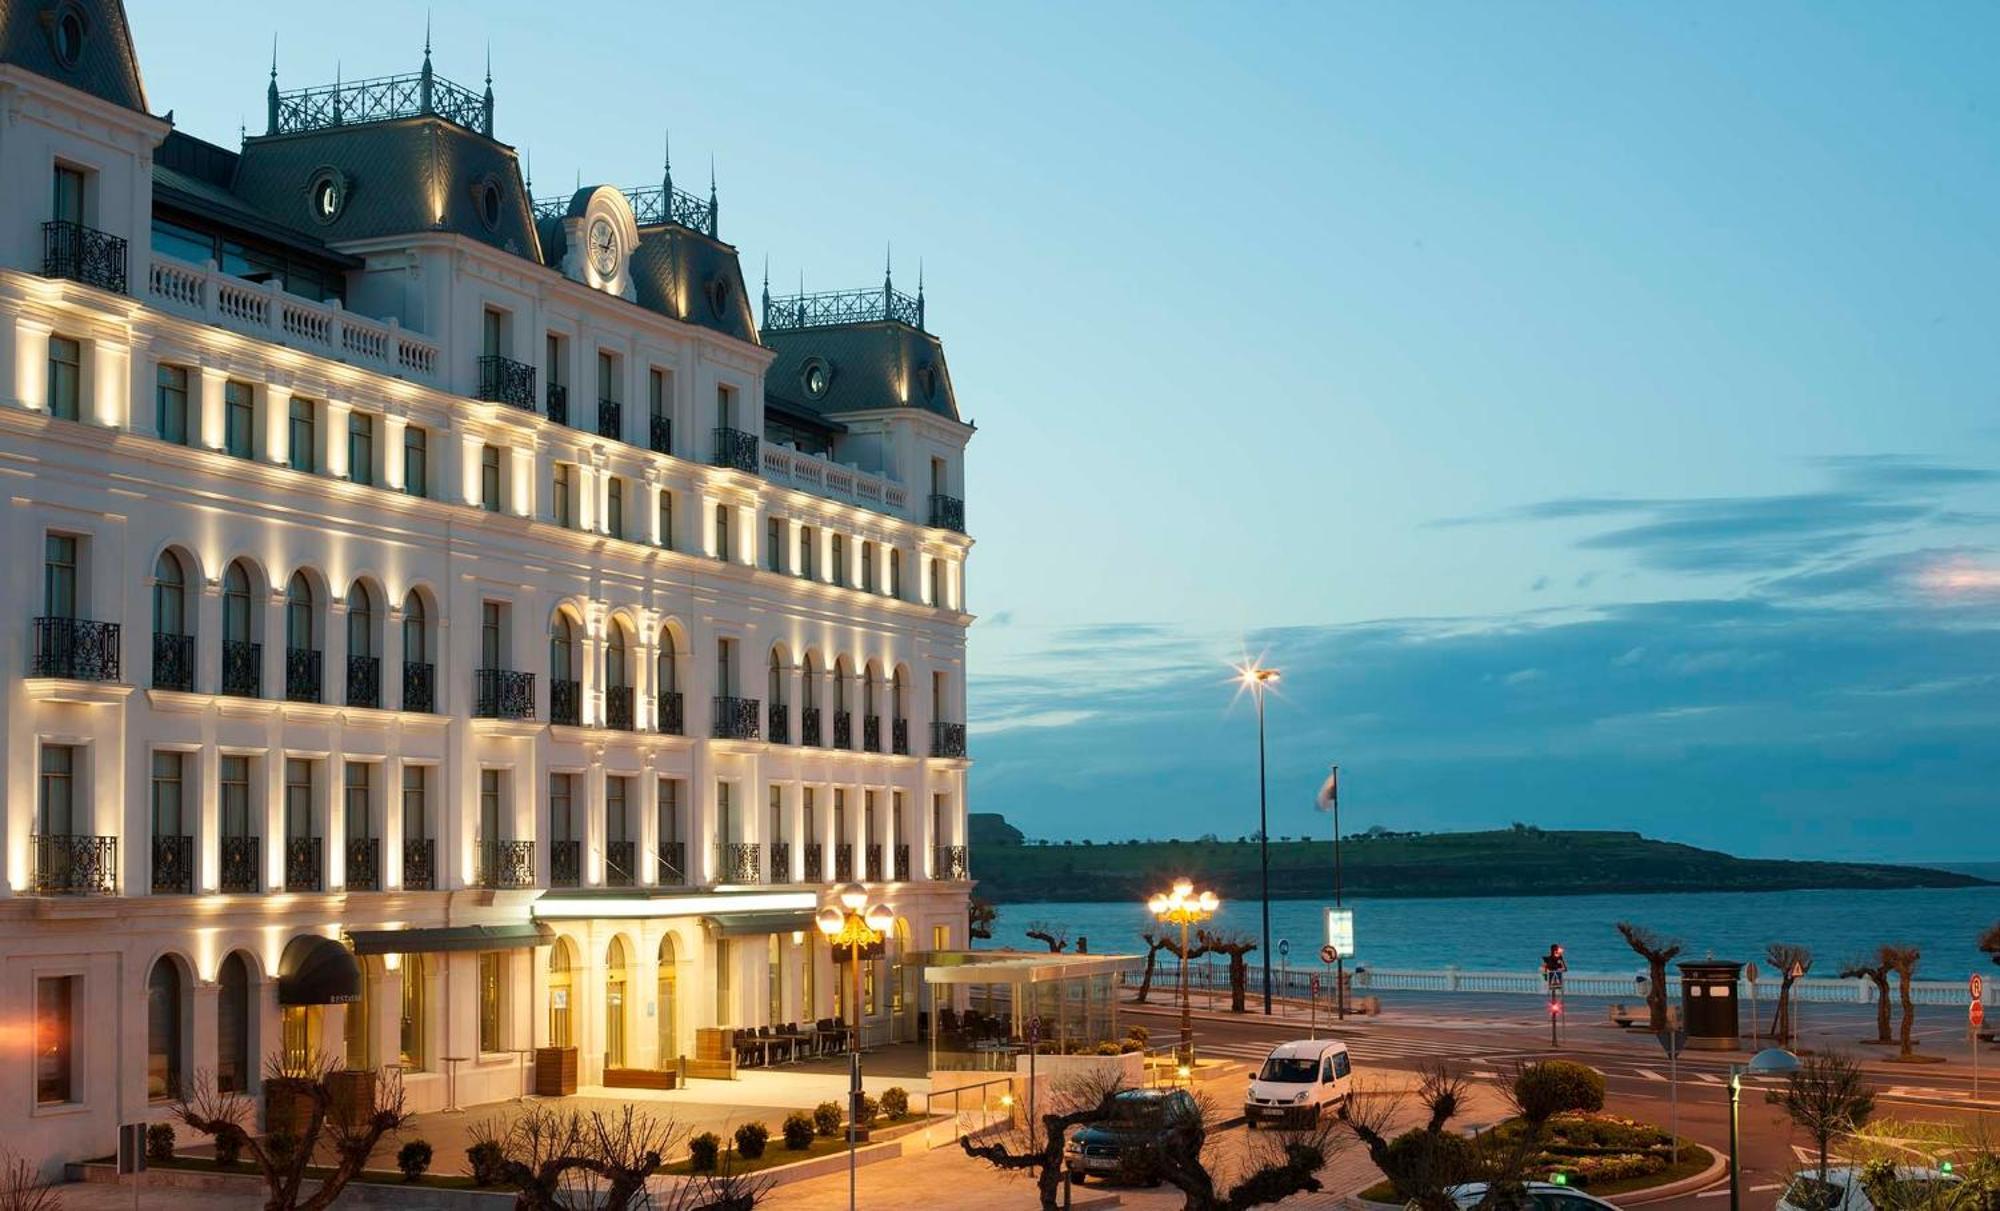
[854,925]
[1184,906]
[1256,678]
[1772,1061]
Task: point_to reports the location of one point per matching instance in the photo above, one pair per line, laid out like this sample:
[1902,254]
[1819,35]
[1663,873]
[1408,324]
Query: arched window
[562,650]
[561,990]
[360,621]
[868,698]
[668,1001]
[776,692]
[412,1045]
[169,596]
[416,630]
[163,1031]
[232,1026]
[614,1004]
[840,686]
[617,673]
[236,604]
[299,613]
[899,696]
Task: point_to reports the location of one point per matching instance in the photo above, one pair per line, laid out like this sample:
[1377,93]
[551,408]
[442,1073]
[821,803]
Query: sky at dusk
[1591,409]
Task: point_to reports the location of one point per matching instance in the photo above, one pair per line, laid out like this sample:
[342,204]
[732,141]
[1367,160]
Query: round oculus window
[328,194]
[70,30]
[816,378]
[719,294]
[486,197]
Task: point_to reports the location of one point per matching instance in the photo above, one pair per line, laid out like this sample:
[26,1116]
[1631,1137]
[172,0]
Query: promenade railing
[1296,981]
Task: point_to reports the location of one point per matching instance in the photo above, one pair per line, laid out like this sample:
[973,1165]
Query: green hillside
[1509,862]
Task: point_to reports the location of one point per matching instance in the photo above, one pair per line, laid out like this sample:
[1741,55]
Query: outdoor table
[836,1033]
[451,1063]
[793,1039]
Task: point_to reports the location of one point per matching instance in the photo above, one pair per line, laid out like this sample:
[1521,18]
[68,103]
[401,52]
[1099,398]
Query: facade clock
[603,247]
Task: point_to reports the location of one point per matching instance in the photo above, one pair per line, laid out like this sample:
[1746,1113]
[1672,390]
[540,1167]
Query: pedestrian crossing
[1376,1047]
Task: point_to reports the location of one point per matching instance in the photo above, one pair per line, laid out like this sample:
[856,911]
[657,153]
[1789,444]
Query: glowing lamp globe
[880,918]
[829,920]
[853,895]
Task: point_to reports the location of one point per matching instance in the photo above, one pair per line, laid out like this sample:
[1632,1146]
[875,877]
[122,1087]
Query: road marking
[1769,1186]
[1712,1194]
[1708,1078]
[1650,1075]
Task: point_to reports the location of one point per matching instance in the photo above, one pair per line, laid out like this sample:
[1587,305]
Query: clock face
[603,248]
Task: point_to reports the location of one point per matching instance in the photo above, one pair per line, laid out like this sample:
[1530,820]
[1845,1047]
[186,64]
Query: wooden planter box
[555,1071]
[287,1110]
[352,1096]
[639,1078]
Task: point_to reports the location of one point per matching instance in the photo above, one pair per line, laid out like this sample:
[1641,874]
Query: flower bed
[1602,1153]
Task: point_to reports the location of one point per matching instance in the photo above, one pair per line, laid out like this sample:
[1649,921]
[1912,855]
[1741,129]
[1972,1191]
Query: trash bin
[1708,1004]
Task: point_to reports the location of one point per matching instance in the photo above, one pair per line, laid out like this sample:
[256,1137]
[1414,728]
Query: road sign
[1977,1013]
[1327,954]
[1034,1030]
[1315,984]
[1673,1042]
[1976,986]
[1284,947]
[1798,971]
[1751,973]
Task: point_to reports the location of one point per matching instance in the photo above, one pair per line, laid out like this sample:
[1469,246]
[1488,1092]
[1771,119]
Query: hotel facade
[449,623]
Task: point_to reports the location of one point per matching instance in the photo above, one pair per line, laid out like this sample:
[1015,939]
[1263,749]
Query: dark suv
[1138,1117]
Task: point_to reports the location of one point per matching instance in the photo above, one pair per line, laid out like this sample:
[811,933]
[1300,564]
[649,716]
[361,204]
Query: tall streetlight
[854,925]
[1256,678]
[1184,906]
[1772,1061]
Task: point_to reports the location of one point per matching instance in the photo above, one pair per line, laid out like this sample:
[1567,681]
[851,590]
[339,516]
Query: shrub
[799,1131]
[750,1139]
[160,1142]
[826,1118]
[484,1159]
[702,1150]
[413,1158]
[228,1149]
[1421,1160]
[1138,1034]
[865,1110]
[895,1101]
[1551,1087]
[1109,1048]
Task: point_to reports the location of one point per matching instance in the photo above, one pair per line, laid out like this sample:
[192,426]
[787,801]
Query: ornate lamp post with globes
[1184,906]
[854,925]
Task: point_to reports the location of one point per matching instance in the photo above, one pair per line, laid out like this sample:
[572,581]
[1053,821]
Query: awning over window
[317,971]
[446,939]
[744,924]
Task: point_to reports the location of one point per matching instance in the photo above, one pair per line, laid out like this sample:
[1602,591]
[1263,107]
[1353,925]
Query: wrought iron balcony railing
[242,669]
[662,434]
[242,864]
[899,737]
[502,380]
[673,863]
[302,679]
[173,662]
[83,254]
[902,863]
[382,99]
[419,864]
[843,729]
[947,739]
[173,864]
[305,863]
[364,681]
[672,718]
[621,863]
[736,718]
[871,733]
[76,864]
[873,867]
[781,861]
[815,865]
[565,702]
[503,694]
[609,418]
[420,686]
[76,648]
[507,864]
[778,723]
[618,707]
[739,862]
[948,513]
[364,864]
[948,864]
[826,308]
[565,863]
[735,448]
[809,729]
[557,395]
[843,861]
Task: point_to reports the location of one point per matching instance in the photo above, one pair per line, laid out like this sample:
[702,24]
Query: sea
[1510,933]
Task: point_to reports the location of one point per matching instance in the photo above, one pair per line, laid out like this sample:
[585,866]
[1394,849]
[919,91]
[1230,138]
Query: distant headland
[1518,861]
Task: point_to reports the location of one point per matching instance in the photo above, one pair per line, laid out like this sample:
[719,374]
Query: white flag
[1329,793]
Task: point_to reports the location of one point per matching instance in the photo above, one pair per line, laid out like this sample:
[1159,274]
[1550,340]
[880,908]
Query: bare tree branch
[1658,952]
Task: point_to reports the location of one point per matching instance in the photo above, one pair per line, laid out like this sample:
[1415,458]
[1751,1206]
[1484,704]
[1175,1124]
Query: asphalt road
[1487,1036]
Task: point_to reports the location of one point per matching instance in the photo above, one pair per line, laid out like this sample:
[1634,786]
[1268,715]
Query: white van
[1299,1082]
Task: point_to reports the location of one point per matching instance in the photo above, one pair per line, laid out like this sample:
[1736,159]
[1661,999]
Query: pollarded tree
[1238,947]
[1902,959]
[1792,961]
[1876,972]
[1658,952]
[1990,942]
[1053,936]
[573,1160]
[979,917]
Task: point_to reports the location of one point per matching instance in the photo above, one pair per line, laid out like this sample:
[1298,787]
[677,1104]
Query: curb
[1718,1165]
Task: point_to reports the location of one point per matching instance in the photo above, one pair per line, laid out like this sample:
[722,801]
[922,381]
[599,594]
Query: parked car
[1138,1117]
[1536,1196]
[1844,1189]
[1299,1082]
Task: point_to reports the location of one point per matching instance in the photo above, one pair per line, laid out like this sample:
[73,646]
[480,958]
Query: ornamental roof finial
[427,38]
[767,287]
[271,93]
[529,180]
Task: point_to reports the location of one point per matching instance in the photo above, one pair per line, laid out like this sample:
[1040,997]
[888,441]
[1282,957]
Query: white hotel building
[448,624]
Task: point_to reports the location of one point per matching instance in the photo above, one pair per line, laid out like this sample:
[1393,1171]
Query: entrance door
[669,1000]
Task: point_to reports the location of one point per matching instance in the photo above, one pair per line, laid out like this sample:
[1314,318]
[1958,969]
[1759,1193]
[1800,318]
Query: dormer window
[67,34]
[486,200]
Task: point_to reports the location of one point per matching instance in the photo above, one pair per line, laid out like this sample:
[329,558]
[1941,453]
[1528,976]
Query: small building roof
[1019,968]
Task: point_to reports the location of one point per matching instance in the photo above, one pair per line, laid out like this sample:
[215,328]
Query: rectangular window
[361,448]
[777,813]
[69,183]
[725,406]
[940,937]
[565,493]
[774,543]
[725,667]
[416,795]
[722,532]
[58,791]
[65,377]
[489,478]
[55,1039]
[489,805]
[614,507]
[239,420]
[670,810]
[807,811]
[937,582]
[360,785]
[839,559]
[59,576]
[868,567]
[806,541]
[492,634]
[492,984]
[416,461]
[170,404]
[562,824]
[896,574]
[868,816]
[304,435]
[168,820]
[553,353]
[617,823]
[298,798]
[608,387]
[235,805]
[840,834]
[667,520]
[493,334]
